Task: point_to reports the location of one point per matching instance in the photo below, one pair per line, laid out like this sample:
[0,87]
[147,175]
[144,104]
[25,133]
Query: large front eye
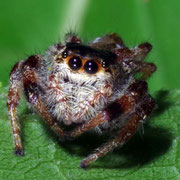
[75,63]
[91,67]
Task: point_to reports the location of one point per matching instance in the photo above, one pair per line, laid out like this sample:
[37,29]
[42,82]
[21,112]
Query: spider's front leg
[24,74]
[137,104]
[12,103]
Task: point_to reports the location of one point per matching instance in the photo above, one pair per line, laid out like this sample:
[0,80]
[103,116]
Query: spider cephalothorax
[91,85]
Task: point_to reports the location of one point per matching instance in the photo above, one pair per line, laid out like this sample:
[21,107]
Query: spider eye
[105,63]
[91,67]
[75,63]
[64,54]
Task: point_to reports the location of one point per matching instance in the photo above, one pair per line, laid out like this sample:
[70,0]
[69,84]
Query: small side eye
[91,67]
[75,63]
[64,54]
[105,63]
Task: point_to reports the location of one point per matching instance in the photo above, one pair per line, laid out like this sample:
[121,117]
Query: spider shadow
[140,150]
[162,104]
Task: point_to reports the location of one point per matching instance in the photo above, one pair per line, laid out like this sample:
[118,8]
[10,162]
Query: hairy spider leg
[88,125]
[132,60]
[108,42]
[72,37]
[12,103]
[141,111]
[137,53]
[147,69]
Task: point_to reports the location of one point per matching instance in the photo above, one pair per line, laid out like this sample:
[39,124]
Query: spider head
[81,65]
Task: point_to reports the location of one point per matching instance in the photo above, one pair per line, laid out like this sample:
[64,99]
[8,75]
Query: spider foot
[83,165]
[88,160]
[18,151]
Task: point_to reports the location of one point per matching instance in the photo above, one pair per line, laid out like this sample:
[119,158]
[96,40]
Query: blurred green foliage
[30,27]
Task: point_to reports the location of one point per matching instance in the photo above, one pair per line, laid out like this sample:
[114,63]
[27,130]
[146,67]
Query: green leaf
[154,154]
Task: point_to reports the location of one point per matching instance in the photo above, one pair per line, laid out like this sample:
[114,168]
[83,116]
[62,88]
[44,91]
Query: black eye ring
[64,54]
[91,67]
[75,63]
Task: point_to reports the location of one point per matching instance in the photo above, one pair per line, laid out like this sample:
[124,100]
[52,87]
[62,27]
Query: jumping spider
[91,86]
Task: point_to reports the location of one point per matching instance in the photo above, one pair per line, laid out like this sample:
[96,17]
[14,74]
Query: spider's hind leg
[72,38]
[132,60]
[108,42]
